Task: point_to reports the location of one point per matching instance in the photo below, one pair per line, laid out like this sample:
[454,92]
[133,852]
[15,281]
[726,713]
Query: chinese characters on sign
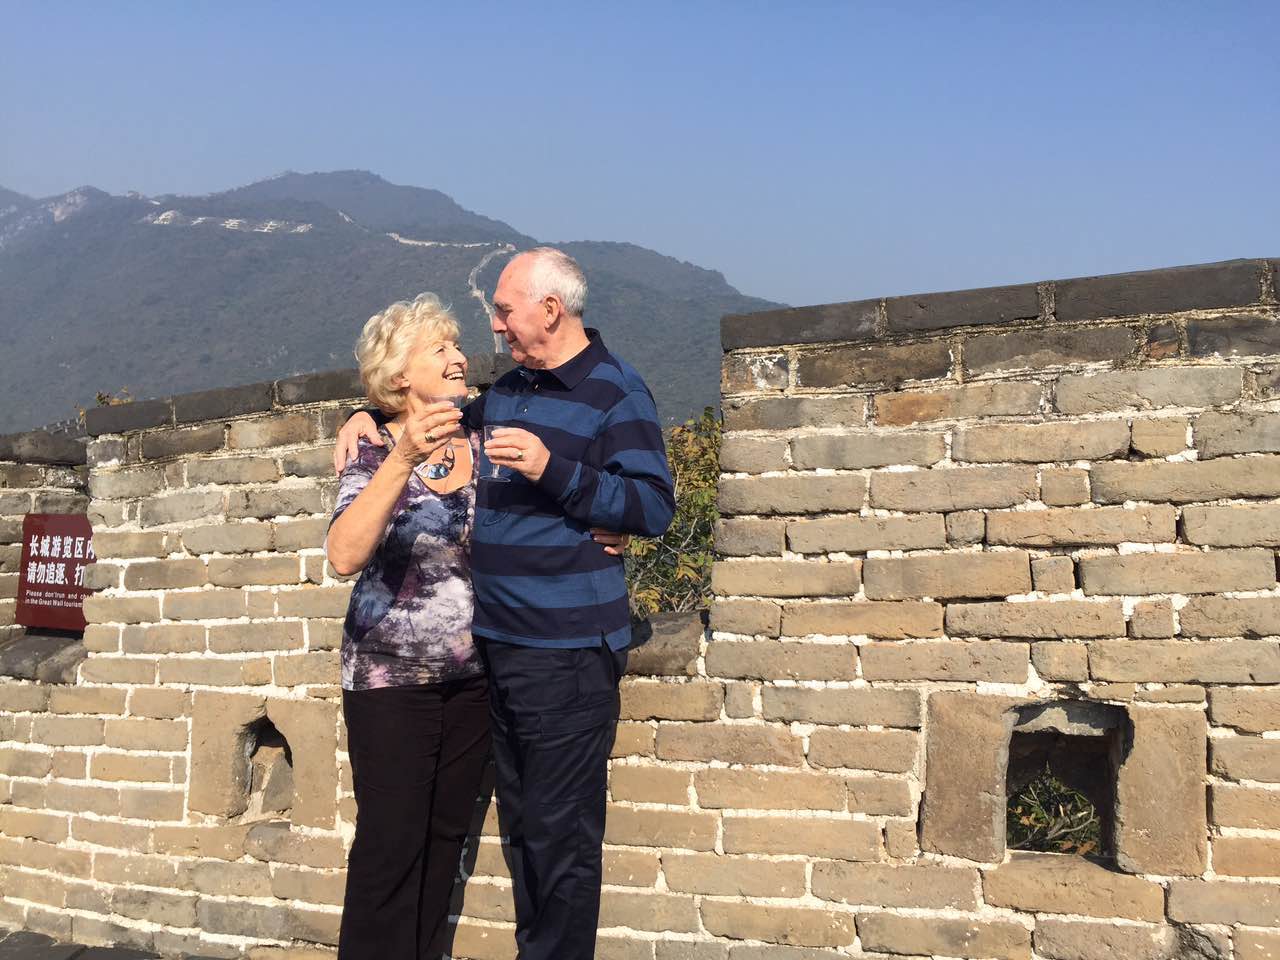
[56,547]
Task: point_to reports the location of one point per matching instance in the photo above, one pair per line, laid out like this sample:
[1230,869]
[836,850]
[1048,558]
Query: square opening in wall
[1064,759]
[270,772]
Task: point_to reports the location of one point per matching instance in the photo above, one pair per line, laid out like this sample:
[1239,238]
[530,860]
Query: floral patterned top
[409,620]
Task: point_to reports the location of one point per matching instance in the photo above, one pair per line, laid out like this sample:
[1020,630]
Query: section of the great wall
[952,524]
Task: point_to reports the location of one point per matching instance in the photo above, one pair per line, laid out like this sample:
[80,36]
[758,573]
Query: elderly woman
[414,694]
[413,689]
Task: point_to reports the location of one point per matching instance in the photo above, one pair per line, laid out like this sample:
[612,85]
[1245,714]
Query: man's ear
[553,310]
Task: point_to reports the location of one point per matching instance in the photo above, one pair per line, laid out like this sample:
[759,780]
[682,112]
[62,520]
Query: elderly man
[580,430]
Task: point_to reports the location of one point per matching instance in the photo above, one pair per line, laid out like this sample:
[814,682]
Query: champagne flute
[495,469]
[431,471]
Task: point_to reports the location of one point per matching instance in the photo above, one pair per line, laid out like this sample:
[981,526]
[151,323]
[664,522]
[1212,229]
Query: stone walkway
[35,946]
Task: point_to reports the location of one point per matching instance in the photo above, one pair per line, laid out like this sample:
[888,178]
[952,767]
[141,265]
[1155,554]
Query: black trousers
[417,757]
[554,716]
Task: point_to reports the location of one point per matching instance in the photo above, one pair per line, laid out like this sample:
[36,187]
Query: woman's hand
[359,425]
[428,428]
[614,543]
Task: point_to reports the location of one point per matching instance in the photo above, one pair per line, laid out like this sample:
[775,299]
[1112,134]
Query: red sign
[56,547]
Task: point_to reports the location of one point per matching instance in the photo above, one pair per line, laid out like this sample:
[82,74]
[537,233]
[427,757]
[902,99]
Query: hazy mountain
[171,294]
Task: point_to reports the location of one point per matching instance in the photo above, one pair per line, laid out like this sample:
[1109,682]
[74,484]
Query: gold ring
[519,454]
[431,438]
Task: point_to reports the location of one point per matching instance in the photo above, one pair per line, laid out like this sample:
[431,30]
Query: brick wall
[39,473]
[948,520]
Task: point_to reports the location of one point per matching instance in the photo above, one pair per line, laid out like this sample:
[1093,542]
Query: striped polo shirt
[540,580]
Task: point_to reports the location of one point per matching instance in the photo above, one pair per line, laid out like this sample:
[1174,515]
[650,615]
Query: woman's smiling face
[436,368]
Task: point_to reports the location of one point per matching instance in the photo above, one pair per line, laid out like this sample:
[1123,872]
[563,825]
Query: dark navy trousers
[554,717]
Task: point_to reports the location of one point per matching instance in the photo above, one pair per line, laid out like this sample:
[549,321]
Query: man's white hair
[553,272]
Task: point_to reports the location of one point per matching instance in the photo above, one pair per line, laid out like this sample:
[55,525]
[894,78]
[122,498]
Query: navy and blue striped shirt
[540,580]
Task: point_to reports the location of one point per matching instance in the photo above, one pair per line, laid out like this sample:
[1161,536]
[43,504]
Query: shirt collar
[574,370]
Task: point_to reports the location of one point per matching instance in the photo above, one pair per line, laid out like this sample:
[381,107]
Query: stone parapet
[955,528]
[1016,506]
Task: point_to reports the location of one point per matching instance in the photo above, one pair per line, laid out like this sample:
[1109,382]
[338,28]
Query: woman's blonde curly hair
[390,336]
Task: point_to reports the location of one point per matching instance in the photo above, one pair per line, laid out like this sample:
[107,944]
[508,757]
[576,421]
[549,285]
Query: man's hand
[360,425]
[520,450]
[615,544]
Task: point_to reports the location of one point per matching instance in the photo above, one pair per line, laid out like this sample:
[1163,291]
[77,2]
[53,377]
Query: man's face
[521,320]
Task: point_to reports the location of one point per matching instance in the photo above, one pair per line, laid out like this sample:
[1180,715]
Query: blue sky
[811,151]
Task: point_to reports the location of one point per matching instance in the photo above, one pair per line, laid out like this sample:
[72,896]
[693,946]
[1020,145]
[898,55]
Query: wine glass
[495,469]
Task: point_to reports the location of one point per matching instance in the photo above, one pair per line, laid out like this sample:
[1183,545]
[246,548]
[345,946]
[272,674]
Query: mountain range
[171,294]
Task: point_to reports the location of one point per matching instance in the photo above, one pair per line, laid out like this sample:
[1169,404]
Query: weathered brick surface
[1166,760]
[948,576]
[1246,758]
[882,885]
[1061,661]
[1041,442]
[1225,901]
[1257,945]
[731,743]
[887,620]
[1241,525]
[856,451]
[1187,482]
[943,491]
[1105,525]
[1053,574]
[1223,434]
[1231,617]
[857,707]
[773,790]
[860,534]
[1176,661]
[862,367]
[1040,883]
[733,876]
[967,749]
[781,660]
[751,617]
[1159,436]
[754,373]
[1247,856]
[824,837]
[1040,619]
[1152,618]
[917,936]
[887,751]
[1149,389]
[786,578]
[1099,940]
[1036,349]
[744,537]
[1248,710]
[674,829]
[795,926]
[972,661]
[793,494]
[955,403]
[1252,808]
[740,454]
[671,701]
[1187,572]
[1064,487]
[789,413]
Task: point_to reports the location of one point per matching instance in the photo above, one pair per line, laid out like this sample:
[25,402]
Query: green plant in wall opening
[1047,816]
[673,572]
